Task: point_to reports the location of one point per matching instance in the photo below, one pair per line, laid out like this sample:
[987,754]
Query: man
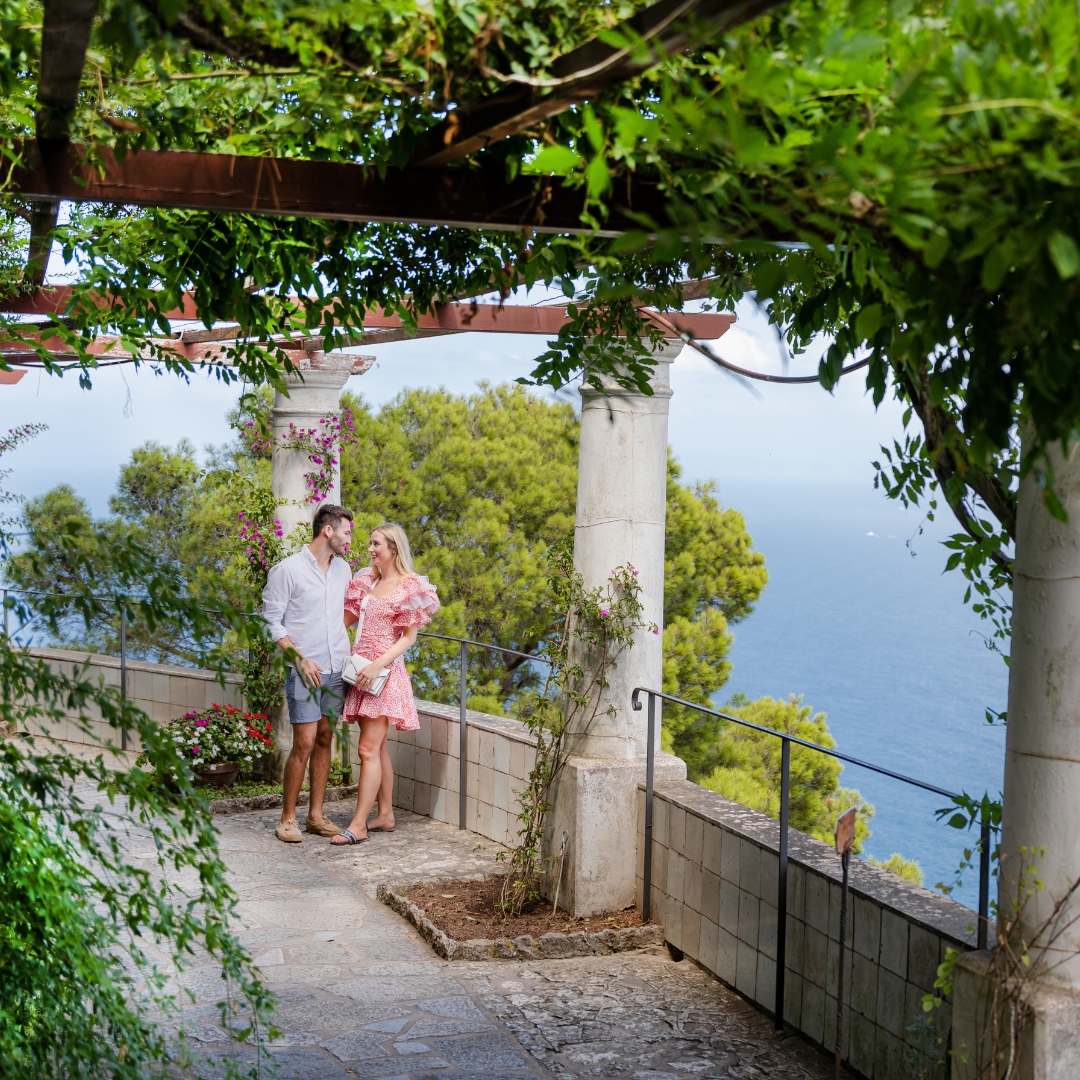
[304,607]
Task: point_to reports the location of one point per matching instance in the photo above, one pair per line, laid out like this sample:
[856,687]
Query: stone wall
[162,691]
[714,888]
[426,769]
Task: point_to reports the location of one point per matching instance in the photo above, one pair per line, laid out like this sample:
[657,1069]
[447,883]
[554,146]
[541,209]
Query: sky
[794,438]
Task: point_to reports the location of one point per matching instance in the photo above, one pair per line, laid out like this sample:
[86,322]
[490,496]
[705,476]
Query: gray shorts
[307,706]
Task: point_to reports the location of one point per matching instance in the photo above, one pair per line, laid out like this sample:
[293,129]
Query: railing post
[6,634]
[646,869]
[781,881]
[463,764]
[123,672]
[984,882]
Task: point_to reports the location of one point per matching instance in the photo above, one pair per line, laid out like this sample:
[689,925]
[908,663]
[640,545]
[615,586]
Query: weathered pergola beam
[65,33]
[457,317]
[380,328]
[666,27]
[479,197]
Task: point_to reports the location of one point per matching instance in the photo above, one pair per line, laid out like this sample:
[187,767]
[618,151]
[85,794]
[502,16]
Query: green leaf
[1064,254]
[936,249]
[598,177]
[554,160]
[958,821]
[995,267]
[868,322]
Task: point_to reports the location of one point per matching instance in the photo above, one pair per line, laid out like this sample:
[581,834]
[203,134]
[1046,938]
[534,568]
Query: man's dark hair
[328,514]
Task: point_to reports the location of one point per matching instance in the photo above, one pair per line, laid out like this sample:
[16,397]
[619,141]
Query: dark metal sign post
[845,837]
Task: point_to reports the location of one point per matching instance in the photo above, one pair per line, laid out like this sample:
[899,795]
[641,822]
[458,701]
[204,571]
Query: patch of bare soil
[467,909]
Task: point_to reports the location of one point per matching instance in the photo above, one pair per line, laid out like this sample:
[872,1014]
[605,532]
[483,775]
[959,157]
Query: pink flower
[656,630]
[194,751]
[605,612]
[201,723]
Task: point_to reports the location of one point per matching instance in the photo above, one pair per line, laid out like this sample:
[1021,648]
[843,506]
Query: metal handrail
[786,741]
[463,719]
[463,643]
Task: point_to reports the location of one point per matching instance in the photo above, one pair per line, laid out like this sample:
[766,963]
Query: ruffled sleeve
[359,587]
[415,601]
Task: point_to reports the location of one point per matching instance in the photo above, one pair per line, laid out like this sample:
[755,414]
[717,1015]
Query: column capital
[325,369]
[664,354]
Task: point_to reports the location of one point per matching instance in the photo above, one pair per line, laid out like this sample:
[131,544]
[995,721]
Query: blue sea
[866,627]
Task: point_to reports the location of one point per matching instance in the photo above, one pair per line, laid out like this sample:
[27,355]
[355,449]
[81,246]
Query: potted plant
[219,742]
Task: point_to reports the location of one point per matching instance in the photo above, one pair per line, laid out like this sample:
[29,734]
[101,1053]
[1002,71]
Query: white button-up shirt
[299,602]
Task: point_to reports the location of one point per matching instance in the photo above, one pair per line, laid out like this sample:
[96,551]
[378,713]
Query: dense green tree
[181,515]
[484,485]
[747,767]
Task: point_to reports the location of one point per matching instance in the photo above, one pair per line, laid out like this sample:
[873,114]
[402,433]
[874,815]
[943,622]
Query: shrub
[897,864]
[749,767]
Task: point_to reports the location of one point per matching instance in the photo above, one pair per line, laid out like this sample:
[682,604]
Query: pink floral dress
[413,603]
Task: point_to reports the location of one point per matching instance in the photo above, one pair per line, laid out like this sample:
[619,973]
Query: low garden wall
[715,865]
[501,754]
[162,691]
[714,875]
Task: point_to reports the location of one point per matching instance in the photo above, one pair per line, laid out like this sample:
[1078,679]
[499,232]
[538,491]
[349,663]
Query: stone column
[314,394]
[621,511]
[1041,811]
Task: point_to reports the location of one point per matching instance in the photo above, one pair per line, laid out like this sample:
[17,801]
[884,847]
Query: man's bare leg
[384,819]
[304,736]
[320,768]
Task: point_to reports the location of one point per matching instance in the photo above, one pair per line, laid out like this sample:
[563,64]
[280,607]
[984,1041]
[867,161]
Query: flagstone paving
[360,994]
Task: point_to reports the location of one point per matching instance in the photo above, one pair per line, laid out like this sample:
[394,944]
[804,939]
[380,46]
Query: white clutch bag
[354,664]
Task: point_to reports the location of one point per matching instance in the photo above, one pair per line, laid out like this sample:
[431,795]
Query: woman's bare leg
[384,819]
[372,737]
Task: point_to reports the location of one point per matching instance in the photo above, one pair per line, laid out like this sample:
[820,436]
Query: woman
[396,602]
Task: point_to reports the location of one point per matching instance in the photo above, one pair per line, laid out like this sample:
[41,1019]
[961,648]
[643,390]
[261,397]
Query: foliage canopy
[896,174]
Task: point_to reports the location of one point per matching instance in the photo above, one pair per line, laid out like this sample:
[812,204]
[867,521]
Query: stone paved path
[360,994]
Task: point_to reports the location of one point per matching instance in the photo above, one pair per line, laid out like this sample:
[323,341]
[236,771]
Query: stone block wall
[162,691]
[501,754]
[715,869]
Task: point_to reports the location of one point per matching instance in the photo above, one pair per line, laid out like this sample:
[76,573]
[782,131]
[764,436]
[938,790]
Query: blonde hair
[395,536]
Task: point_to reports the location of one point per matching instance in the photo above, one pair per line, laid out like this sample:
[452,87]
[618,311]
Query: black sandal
[350,838]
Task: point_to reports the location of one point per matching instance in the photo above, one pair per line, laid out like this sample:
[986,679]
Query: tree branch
[942,436]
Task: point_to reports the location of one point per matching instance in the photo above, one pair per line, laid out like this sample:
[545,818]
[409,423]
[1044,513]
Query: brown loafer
[322,827]
[289,831]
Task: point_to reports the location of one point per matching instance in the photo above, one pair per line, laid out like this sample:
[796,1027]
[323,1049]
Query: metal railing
[463,646]
[785,795]
[119,601]
[463,734]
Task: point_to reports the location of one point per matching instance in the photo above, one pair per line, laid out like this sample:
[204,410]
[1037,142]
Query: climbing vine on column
[261,533]
[597,626]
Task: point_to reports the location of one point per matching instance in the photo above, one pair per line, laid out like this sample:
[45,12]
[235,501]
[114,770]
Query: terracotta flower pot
[219,775]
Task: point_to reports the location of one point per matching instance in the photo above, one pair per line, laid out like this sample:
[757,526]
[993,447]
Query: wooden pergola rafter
[435,190]
[425,192]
